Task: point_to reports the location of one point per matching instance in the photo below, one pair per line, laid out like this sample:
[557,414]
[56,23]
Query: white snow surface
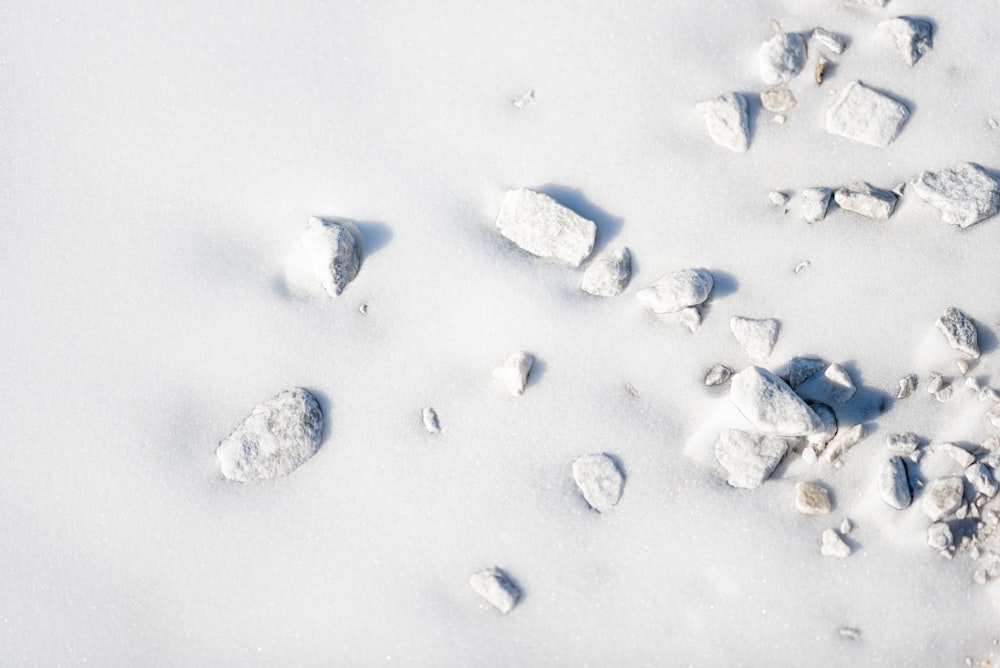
[159,162]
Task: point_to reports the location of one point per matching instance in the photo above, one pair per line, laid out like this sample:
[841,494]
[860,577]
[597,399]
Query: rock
[960,331]
[690,317]
[676,291]
[866,116]
[543,227]
[781,58]
[777,198]
[801,369]
[944,394]
[993,415]
[849,633]
[893,484]
[513,373]
[829,419]
[847,526]
[727,121]
[608,274]
[599,480]
[334,251]
[935,383]
[843,385]
[939,536]
[749,459]
[496,588]
[815,202]
[832,42]
[942,497]
[777,99]
[756,336]
[718,375]
[833,545]
[845,439]
[524,101]
[277,437]
[903,444]
[963,368]
[907,386]
[964,194]
[812,499]
[980,476]
[430,418]
[865,200]
[962,457]
[912,37]
[771,405]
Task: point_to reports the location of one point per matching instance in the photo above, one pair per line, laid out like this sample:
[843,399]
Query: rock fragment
[960,455]
[849,633]
[833,545]
[690,317]
[777,198]
[911,36]
[866,116]
[830,41]
[812,499]
[846,438]
[771,405]
[727,121]
[756,336]
[942,497]
[801,369]
[431,422]
[935,383]
[334,251]
[866,200]
[781,58]
[903,444]
[892,483]
[608,274]
[276,438]
[718,375]
[540,225]
[829,420]
[599,480]
[513,373]
[939,536]
[847,526]
[960,331]
[677,291]
[749,459]
[980,476]
[843,385]
[815,203]
[907,386]
[496,588]
[778,99]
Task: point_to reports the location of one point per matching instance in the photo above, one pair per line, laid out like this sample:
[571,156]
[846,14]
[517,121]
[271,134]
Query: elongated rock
[964,194]
[727,121]
[960,331]
[781,58]
[757,336]
[912,37]
[496,588]
[829,419]
[718,375]
[771,405]
[866,200]
[830,41]
[599,480]
[608,274]
[749,459]
[513,373]
[677,291]
[893,484]
[430,419]
[866,116]
[334,251]
[276,438]
[942,497]
[543,227]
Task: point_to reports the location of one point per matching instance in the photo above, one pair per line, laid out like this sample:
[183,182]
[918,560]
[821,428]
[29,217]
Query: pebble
[866,116]
[846,439]
[718,375]
[334,251]
[833,545]
[912,37]
[542,226]
[962,457]
[727,121]
[812,499]
[815,203]
[749,459]
[524,101]
[988,393]
[847,526]
[963,366]
[777,198]
[960,331]
[599,480]
[980,577]
[973,384]
[677,291]
[756,336]
[781,58]
[778,99]
[892,483]
[907,386]
[430,418]
[829,419]
[513,373]
[866,200]
[964,194]
[942,497]
[993,415]
[608,274]
[939,536]
[944,394]
[801,369]
[779,119]
[832,42]
[276,438]
[903,444]
[980,476]
[496,589]
[771,405]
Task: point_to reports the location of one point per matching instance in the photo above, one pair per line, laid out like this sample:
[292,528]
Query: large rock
[677,291]
[771,405]
[911,36]
[867,116]
[781,58]
[543,227]
[335,252]
[866,200]
[276,438]
[964,194]
[757,336]
[599,480]
[960,331]
[608,274]
[749,459]
[496,589]
[727,121]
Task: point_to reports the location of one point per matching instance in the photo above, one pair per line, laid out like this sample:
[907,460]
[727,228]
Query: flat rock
[964,194]
[496,589]
[812,499]
[599,480]
[833,545]
[513,373]
[718,375]
[801,369]
[771,405]
[815,203]
[431,422]
[334,252]
[677,291]
[727,121]
[866,200]
[960,331]
[781,58]
[893,484]
[866,116]
[544,227]
[608,274]
[778,99]
[939,536]
[830,41]
[912,37]
[942,497]
[756,336]
[980,476]
[277,437]
[749,459]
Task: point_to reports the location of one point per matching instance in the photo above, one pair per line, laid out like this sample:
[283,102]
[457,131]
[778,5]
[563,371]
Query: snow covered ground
[159,164]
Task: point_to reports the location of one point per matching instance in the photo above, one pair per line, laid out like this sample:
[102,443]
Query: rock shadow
[327,407]
[753,112]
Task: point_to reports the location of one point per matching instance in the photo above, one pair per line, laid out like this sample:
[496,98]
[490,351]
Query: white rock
[777,198]
[431,422]
[543,227]
[781,58]
[727,121]
[964,194]
[812,499]
[865,115]
[849,633]
[690,317]
[847,526]
[677,291]
[832,42]
[496,588]
[842,384]
[962,457]
[771,405]
[865,200]
[600,481]
[513,373]
[903,444]
[935,382]
[815,202]
[524,101]
[893,484]
[749,459]
[846,438]
[963,368]
[980,476]
[944,394]
[911,36]
[833,545]
[993,415]
[907,386]
[718,375]
[801,369]
[608,274]
[960,331]
[276,438]
[756,336]
[779,119]
[829,419]
[777,99]
[334,251]
[939,536]
[942,497]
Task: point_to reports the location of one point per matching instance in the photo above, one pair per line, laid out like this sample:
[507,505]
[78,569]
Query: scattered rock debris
[912,37]
[335,253]
[866,200]
[542,226]
[833,545]
[608,274]
[893,484]
[942,497]
[907,386]
[866,115]
[812,499]
[830,41]
[771,405]
[431,422]
[964,194]
[718,375]
[727,121]
[748,458]
[778,99]
[677,291]
[599,480]
[756,336]
[815,202]
[514,371]
[496,588]
[781,58]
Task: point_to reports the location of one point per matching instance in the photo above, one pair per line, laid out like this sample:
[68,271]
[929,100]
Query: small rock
[815,202]
[335,253]
[866,116]
[849,633]
[777,99]
[980,577]
[912,37]
[944,394]
[846,439]
[989,394]
[973,385]
[939,536]
[963,366]
[496,588]
[779,119]
[904,444]
[893,484]
[727,121]
[777,198]
[907,386]
[690,317]
[833,545]
[846,527]
[942,497]
[540,225]
[801,369]
[781,58]
[513,373]
[980,476]
[277,437]
[993,123]
[801,266]
[960,332]
[865,200]
[749,459]
[811,452]
[608,274]
[524,101]
[820,70]
[756,336]
[812,499]
[935,383]
[430,418]
[961,456]
[363,309]
[843,386]
[832,42]
[829,419]
[676,291]
[718,375]
[964,194]
[599,480]
[771,405]
[993,415]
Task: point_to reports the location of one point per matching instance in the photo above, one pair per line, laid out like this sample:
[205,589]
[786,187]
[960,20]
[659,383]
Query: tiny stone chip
[960,331]
[830,41]
[867,116]
[812,499]
[942,497]
[718,375]
[847,526]
[608,274]
[939,536]
[907,386]
[496,589]
[727,121]
[430,418]
[815,202]
[514,371]
[893,484]
[599,480]
[777,198]
[757,336]
[866,200]
[833,545]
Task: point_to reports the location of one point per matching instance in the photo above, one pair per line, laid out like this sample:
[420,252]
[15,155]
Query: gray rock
[756,336]
[771,405]
[599,480]
[815,203]
[964,194]
[801,369]
[812,499]
[830,41]
[718,375]
[749,459]
[543,227]
[960,331]
[496,589]
[912,37]
[866,200]
[781,58]
[980,476]
[608,274]
[677,291]
[939,536]
[431,422]
[513,373]
[942,497]
[866,116]
[893,484]
[276,438]
[778,99]
[334,251]
[727,121]
[833,545]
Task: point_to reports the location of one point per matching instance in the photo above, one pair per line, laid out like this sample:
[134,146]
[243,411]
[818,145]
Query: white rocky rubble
[939,536]
[964,194]
[334,252]
[866,116]
[781,58]
[276,438]
[431,422]
[757,336]
[496,588]
[812,499]
[893,484]
[778,99]
[748,458]
[942,497]
[677,291]
[599,480]
[815,202]
[866,200]
[833,545]
[544,227]
[960,331]
[771,405]
[718,375]
[980,476]
[830,41]
[727,121]
[912,37]
[608,273]
[513,373]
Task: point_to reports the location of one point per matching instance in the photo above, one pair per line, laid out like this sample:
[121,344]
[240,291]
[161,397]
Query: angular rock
[911,36]
[942,497]
[677,291]
[608,274]
[749,459]
[960,331]
[801,369]
[771,405]
[936,383]
[334,251]
[865,200]
[718,375]
[815,202]
[777,198]
[543,227]
[846,438]
[599,480]
[893,484]
[962,457]
[829,419]
[903,444]
[756,336]
[843,385]
[778,99]
[907,386]
[276,438]
[830,41]
[980,476]
[513,373]
[833,545]
[727,121]
[781,58]
[496,588]
[689,316]
[431,422]
[939,536]
[812,499]
[964,194]
[866,116]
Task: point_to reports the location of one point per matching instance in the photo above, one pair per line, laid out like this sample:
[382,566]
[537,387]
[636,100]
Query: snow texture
[830,41]
[599,480]
[278,436]
[964,194]
[771,405]
[513,373]
[781,58]
[748,458]
[727,121]
[942,497]
[756,336]
[866,116]
[335,252]
[430,419]
[912,37]
[815,202]
[833,545]
[812,499]
[866,200]
[608,273]
[544,227]
[960,331]
[778,99]
[496,589]
[677,291]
